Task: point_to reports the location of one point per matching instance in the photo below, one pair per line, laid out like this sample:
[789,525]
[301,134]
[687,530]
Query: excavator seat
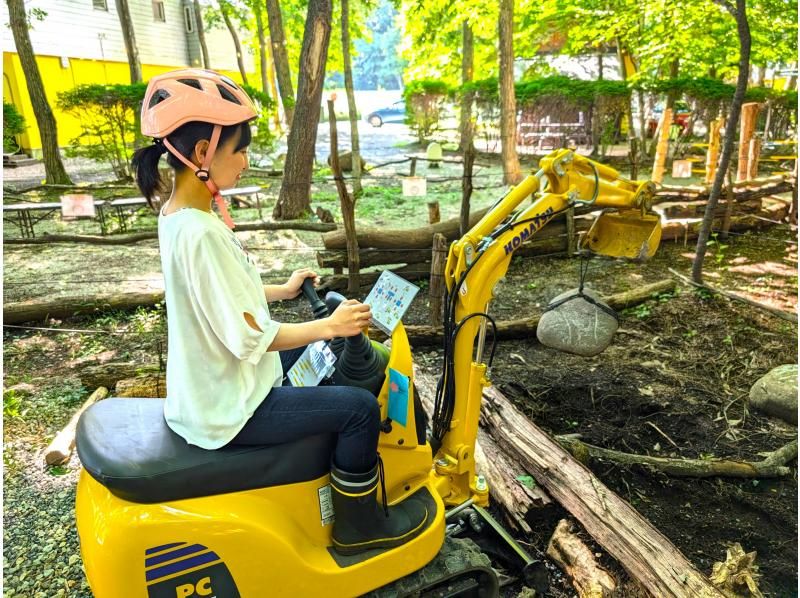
[126,445]
[627,233]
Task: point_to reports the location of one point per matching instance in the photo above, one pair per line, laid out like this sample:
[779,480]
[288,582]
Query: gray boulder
[775,393]
[577,326]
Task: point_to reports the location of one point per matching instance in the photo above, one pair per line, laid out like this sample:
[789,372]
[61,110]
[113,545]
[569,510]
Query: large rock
[577,326]
[775,393]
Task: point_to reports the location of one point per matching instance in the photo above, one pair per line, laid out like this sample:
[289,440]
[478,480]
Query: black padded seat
[126,445]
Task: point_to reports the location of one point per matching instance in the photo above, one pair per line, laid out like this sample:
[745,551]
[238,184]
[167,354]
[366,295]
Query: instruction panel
[389,300]
[314,364]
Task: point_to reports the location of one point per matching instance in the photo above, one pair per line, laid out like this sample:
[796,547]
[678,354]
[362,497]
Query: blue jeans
[289,413]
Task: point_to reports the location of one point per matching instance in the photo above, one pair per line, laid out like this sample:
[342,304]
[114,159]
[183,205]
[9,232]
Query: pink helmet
[195,95]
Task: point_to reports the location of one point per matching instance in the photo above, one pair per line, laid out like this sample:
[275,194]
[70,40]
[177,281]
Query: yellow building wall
[57,78]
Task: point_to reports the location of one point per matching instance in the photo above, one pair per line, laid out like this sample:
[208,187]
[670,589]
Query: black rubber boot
[362,523]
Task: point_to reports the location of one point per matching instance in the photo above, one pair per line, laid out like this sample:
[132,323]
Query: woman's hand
[350,318]
[292,286]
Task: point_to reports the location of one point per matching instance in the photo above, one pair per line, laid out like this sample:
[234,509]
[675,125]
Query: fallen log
[109,373]
[526,327]
[696,209]
[679,230]
[645,553]
[36,310]
[742,191]
[411,272]
[569,552]
[60,449]
[146,387]
[507,486]
[320,227]
[772,466]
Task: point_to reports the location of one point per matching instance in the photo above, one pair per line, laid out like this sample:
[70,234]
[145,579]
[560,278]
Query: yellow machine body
[276,541]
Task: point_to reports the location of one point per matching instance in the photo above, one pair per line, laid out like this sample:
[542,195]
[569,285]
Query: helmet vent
[228,81]
[191,83]
[227,95]
[159,96]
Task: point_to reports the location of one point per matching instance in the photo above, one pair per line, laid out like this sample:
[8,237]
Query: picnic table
[25,215]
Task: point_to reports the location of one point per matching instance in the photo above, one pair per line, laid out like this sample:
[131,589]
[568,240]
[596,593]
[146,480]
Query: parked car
[396,113]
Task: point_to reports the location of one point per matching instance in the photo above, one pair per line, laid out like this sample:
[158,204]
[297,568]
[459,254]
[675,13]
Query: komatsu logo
[537,222]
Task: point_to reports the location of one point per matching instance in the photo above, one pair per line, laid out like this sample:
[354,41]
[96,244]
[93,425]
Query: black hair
[184,138]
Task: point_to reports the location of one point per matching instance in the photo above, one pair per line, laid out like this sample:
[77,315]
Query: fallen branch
[779,313]
[60,449]
[645,553]
[29,311]
[577,561]
[773,466]
[526,328]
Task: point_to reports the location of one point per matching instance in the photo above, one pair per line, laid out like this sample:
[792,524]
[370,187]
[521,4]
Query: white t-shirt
[218,367]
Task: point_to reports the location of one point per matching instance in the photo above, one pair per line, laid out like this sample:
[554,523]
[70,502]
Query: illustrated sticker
[200,572]
[398,397]
[325,505]
[314,364]
[389,300]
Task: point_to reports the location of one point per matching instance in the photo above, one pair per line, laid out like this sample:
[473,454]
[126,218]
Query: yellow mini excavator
[159,518]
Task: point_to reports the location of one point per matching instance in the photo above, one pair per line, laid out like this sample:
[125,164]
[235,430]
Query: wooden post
[749,116]
[413,171]
[572,241]
[752,158]
[712,157]
[348,204]
[434,215]
[436,288]
[466,181]
[663,146]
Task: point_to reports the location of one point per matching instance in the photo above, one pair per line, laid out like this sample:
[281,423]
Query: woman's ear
[200,149]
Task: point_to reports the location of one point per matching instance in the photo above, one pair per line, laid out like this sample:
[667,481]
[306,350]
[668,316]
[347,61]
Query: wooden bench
[25,215]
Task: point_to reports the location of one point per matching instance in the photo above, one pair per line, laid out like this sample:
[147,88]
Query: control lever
[318,306]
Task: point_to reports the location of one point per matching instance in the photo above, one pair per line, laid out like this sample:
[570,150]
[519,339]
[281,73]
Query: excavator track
[459,570]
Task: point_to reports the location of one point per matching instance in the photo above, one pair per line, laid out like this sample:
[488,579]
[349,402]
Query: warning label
[325,505]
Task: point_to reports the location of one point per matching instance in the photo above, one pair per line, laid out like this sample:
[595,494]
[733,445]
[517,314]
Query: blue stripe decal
[164,547]
[173,554]
[189,563]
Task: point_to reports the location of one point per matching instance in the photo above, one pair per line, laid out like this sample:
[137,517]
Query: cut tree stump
[60,449]
[526,328]
[645,553]
[576,560]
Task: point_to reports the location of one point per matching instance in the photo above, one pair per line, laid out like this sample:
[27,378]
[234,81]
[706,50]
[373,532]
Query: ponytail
[145,165]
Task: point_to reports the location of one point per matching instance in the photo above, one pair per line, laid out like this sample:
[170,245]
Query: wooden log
[337,258]
[348,206]
[743,191]
[645,553]
[712,156]
[753,154]
[569,552]
[695,209]
[419,335]
[434,214]
[146,236]
[772,466]
[147,387]
[436,287]
[748,125]
[663,146]
[109,373]
[419,238]
[412,272]
[60,449]
[37,310]
[682,231]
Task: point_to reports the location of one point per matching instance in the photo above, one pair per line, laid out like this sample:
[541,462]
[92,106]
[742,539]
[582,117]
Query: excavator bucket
[627,233]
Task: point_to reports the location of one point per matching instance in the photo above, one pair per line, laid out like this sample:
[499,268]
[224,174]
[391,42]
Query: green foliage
[13,125]
[108,119]
[424,104]
[12,404]
[376,62]
[264,138]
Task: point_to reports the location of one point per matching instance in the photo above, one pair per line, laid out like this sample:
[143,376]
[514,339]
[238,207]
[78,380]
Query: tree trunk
[727,147]
[294,200]
[131,49]
[467,68]
[351,99]
[262,53]
[273,88]
[281,57]
[225,9]
[201,33]
[508,104]
[633,145]
[45,121]
[749,114]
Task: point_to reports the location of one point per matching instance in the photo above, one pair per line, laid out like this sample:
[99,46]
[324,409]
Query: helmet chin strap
[203,173]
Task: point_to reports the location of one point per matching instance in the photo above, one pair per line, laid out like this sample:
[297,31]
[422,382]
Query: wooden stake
[60,450]
[663,146]
[746,129]
[712,157]
[752,157]
[348,204]
[436,288]
[434,215]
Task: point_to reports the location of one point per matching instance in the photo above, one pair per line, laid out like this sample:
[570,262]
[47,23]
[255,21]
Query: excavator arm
[478,260]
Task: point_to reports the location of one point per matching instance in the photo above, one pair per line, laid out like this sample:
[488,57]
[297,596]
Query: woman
[226,356]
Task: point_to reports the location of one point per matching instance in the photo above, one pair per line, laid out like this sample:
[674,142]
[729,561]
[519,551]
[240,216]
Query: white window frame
[100,5]
[159,13]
